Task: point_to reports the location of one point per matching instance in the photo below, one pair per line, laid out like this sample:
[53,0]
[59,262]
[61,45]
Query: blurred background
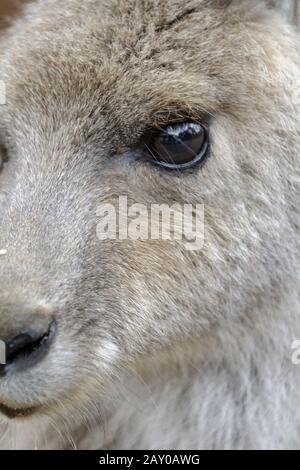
[7,8]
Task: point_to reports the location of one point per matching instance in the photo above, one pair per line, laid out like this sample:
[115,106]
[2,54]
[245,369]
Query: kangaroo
[142,343]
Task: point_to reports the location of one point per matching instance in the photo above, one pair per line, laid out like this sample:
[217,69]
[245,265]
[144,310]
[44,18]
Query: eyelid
[171,116]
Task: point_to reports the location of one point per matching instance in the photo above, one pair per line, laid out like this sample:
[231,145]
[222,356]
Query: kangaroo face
[87,85]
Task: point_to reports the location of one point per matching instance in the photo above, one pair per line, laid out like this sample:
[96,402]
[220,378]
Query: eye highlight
[179,147]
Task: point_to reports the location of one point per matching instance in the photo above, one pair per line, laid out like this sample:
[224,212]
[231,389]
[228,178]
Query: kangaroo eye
[180,146]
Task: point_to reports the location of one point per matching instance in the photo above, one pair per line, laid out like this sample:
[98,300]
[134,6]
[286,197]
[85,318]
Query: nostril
[28,348]
[19,344]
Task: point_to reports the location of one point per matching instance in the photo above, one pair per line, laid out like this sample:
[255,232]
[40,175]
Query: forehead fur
[140,63]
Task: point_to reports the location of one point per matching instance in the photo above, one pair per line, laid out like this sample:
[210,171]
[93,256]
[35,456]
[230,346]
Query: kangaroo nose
[26,348]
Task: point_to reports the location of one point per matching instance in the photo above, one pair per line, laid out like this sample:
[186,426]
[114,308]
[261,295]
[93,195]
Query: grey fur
[157,347]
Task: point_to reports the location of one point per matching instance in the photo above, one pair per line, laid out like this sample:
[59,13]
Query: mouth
[12,412]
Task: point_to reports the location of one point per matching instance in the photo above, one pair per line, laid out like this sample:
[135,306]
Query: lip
[13,413]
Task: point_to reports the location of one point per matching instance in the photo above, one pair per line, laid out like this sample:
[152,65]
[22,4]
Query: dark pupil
[180,145]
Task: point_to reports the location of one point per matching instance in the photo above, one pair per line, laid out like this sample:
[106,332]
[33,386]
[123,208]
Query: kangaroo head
[119,103]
